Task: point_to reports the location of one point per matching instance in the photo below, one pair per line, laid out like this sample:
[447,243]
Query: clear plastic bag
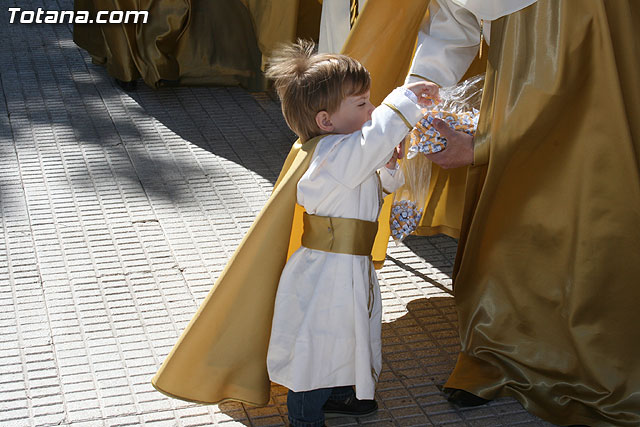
[458,106]
[410,198]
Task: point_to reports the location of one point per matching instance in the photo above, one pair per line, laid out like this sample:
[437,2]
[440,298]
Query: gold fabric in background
[548,268]
[212,42]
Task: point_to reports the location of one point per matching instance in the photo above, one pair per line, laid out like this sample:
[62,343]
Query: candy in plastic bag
[458,107]
[409,200]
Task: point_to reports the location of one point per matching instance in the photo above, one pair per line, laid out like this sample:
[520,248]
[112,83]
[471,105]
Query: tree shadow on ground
[73,103]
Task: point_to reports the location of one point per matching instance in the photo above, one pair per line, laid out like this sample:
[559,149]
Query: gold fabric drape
[222,353]
[213,42]
[546,278]
[383,39]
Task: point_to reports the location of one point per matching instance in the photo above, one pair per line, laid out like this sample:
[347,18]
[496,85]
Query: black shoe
[168,83]
[127,86]
[351,407]
[464,398]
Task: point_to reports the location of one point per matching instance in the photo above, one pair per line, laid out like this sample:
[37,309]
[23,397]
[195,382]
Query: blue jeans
[305,407]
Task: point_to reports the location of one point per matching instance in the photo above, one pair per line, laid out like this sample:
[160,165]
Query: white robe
[327,316]
[335,25]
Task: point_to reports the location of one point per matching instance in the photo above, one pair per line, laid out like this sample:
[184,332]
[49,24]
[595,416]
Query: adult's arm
[448,40]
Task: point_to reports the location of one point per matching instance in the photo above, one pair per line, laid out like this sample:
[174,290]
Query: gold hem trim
[395,109]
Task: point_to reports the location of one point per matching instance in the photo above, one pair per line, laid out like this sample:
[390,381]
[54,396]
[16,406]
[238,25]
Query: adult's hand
[459,150]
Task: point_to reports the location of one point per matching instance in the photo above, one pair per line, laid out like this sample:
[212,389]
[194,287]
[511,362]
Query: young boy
[325,335]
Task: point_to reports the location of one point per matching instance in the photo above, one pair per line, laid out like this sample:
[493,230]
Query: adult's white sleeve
[448,41]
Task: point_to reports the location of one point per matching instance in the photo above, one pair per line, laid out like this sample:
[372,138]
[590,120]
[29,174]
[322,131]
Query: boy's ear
[323,120]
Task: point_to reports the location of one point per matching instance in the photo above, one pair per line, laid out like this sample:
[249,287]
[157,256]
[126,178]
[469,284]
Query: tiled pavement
[118,211]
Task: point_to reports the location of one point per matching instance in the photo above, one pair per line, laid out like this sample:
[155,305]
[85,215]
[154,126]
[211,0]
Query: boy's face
[353,113]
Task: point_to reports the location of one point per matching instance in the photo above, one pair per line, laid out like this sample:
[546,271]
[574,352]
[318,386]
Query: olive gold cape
[222,352]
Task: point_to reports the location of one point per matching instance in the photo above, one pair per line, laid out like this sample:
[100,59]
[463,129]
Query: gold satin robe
[547,273]
[549,253]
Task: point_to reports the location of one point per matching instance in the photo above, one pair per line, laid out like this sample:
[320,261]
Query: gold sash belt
[338,235]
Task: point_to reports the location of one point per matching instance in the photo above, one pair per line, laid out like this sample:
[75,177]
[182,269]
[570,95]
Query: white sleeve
[391,180]
[335,25]
[358,155]
[447,43]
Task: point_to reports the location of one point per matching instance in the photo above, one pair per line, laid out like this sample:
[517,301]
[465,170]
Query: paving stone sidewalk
[117,213]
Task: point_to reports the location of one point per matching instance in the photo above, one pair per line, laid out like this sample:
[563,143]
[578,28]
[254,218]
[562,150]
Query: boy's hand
[428,93]
[398,152]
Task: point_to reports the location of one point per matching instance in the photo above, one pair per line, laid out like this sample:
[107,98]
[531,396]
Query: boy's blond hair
[308,83]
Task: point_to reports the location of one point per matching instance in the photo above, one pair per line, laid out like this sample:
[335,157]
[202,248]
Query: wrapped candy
[409,200]
[405,217]
[425,139]
[458,107]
